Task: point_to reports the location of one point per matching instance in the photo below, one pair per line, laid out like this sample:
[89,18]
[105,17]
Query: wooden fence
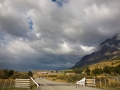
[90,82]
[22,83]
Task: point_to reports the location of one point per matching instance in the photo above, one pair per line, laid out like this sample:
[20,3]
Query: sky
[53,34]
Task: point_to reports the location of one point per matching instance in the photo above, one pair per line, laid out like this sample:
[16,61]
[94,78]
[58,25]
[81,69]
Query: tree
[117,69]
[30,74]
[51,71]
[88,71]
[10,73]
[77,71]
[56,71]
[3,74]
[97,71]
[106,70]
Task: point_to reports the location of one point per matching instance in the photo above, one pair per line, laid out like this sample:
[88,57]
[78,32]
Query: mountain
[107,50]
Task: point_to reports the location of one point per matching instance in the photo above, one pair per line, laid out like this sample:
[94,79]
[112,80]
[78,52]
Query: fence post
[100,81]
[4,84]
[105,82]
[117,81]
[109,82]
[10,84]
[113,81]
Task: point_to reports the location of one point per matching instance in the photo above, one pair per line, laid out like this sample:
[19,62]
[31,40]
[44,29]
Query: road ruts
[50,85]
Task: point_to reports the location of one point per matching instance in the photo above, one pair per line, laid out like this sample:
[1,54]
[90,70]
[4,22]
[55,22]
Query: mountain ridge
[108,49]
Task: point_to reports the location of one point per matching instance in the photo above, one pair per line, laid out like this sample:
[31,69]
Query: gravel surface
[50,85]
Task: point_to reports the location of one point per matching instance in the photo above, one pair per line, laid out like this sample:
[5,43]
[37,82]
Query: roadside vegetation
[7,79]
[11,74]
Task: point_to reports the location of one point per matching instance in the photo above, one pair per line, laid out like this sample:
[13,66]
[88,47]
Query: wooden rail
[86,82]
[22,83]
[35,82]
[90,82]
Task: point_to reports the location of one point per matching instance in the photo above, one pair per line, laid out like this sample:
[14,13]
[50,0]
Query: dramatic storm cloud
[53,34]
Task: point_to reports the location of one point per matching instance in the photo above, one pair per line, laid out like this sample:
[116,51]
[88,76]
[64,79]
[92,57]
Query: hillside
[110,63]
[107,50]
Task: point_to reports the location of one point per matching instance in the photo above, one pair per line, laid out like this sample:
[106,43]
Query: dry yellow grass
[51,76]
[111,63]
[7,84]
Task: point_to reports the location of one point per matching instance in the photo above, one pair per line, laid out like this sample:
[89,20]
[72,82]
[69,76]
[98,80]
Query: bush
[52,75]
[97,71]
[30,74]
[74,78]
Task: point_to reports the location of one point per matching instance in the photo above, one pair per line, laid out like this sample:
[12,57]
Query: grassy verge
[64,78]
[118,88]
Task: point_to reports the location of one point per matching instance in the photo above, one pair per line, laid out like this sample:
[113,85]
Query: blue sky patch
[3,40]
[30,22]
[60,2]
[54,0]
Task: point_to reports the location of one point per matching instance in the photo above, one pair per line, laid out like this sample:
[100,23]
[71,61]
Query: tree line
[6,74]
[105,69]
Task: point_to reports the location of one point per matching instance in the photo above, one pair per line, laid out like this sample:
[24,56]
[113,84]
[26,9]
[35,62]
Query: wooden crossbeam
[90,82]
[22,83]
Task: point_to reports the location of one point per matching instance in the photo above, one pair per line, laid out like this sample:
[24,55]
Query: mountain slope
[109,49]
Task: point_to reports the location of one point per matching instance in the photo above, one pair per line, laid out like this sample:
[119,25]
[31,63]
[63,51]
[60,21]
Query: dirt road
[50,85]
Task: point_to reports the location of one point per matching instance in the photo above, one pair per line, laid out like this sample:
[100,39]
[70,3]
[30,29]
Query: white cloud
[18,47]
[96,13]
[64,48]
[87,49]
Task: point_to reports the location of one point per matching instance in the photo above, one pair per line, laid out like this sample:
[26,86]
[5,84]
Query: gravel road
[50,85]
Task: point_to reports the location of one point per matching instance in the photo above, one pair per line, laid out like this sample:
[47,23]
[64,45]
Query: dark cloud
[53,37]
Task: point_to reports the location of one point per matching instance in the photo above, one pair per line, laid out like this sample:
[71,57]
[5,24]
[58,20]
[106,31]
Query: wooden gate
[22,83]
[90,82]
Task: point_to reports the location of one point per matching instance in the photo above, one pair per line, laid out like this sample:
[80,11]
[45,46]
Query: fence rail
[90,82]
[22,83]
